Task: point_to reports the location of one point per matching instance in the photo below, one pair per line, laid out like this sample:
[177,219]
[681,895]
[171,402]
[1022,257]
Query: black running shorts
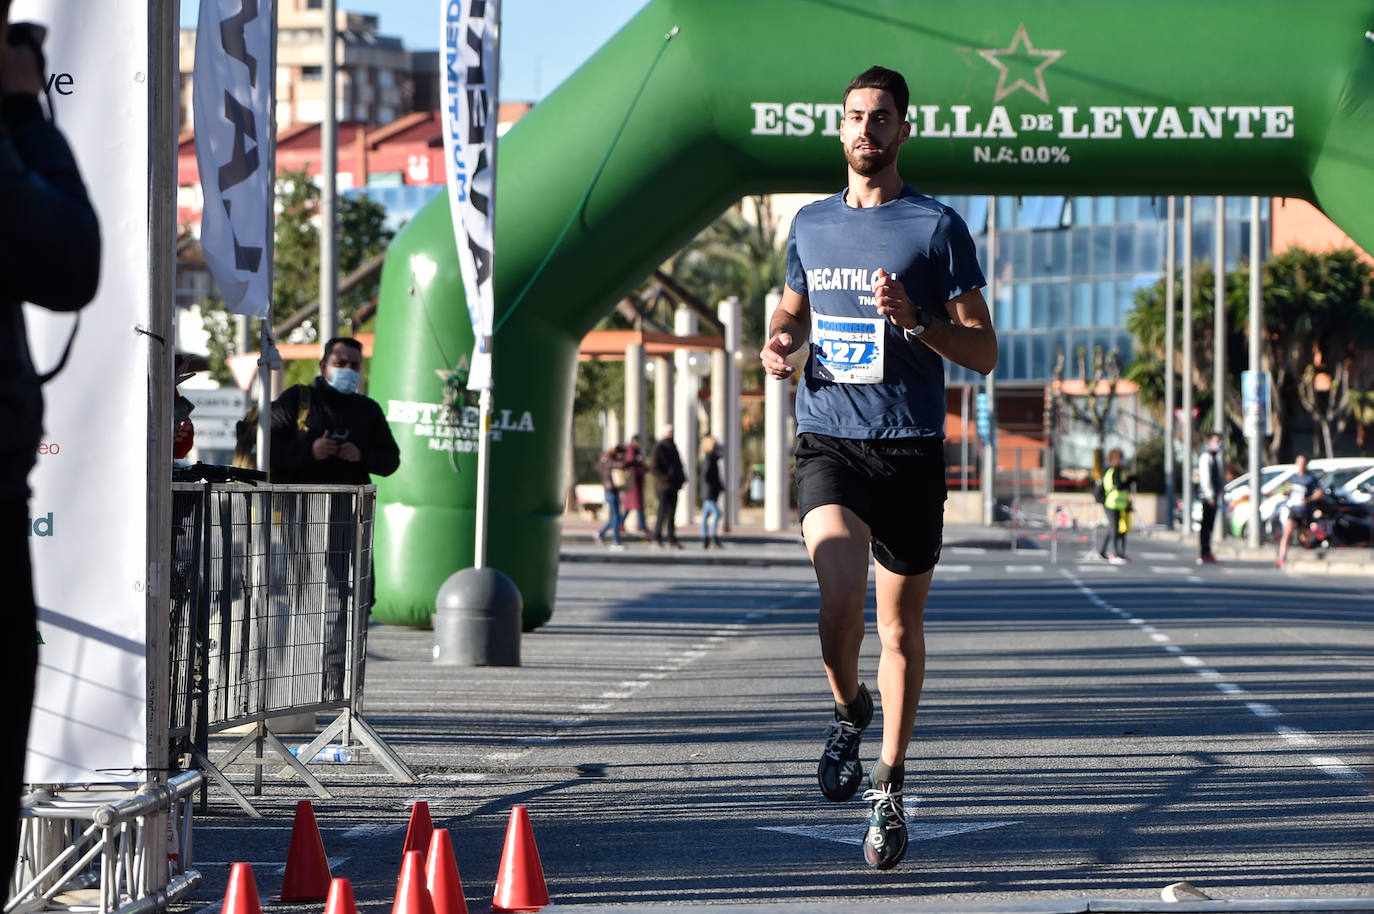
[895,485]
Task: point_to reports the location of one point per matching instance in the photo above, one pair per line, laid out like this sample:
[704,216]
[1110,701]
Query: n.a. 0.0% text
[1025,155]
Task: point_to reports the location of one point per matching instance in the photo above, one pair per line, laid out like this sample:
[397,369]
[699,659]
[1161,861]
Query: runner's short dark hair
[887,80]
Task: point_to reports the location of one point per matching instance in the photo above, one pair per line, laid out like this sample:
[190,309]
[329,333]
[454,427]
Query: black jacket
[666,465]
[711,483]
[49,255]
[351,415]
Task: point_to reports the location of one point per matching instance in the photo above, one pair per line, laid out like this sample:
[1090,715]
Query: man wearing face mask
[327,432]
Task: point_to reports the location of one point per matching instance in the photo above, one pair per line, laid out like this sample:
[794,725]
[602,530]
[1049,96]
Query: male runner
[885,282]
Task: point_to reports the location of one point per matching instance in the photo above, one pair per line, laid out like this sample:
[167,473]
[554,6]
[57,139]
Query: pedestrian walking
[632,499]
[666,464]
[711,487]
[1210,475]
[614,478]
[885,282]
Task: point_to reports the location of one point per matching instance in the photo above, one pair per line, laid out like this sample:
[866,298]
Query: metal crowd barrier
[271,587]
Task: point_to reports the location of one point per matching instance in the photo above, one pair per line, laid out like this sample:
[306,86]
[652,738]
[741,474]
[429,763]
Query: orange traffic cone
[520,883]
[341,899]
[411,895]
[241,897]
[419,830]
[307,867]
[441,875]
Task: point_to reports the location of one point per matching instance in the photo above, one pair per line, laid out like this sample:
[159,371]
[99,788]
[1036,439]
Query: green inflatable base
[420,546]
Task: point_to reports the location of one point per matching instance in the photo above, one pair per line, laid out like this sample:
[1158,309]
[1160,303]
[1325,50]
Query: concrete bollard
[477,620]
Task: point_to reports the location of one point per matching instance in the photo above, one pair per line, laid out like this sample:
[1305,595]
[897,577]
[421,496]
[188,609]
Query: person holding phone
[328,432]
[50,256]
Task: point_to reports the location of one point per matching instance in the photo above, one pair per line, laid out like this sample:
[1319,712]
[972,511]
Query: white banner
[471,42]
[233,122]
[89,507]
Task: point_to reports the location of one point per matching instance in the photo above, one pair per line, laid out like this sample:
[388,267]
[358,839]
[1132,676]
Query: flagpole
[484,402]
[268,359]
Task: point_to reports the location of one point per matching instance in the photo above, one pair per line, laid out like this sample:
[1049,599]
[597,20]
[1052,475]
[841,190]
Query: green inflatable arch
[655,136]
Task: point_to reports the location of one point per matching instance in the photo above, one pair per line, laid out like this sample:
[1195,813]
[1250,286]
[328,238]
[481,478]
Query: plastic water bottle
[327,754]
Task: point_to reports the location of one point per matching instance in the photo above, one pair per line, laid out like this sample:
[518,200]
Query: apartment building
[378,81]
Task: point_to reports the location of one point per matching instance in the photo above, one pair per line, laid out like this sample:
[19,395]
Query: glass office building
[1069,267]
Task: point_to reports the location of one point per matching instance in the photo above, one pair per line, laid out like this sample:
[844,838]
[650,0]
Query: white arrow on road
[854,834]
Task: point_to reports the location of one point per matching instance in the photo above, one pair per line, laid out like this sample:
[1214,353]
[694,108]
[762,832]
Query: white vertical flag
[471,40]
[233,121]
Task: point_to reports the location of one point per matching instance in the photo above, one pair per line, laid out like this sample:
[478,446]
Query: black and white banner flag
[233,121]
[471,41]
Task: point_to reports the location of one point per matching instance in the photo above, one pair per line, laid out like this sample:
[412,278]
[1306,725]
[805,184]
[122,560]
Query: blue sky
[542,41]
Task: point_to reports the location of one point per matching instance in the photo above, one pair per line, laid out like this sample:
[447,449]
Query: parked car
[1360,488]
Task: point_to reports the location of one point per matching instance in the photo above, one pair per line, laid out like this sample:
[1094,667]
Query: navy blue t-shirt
[864,379]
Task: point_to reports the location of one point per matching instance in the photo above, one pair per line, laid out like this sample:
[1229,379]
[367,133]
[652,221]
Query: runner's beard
[871,164]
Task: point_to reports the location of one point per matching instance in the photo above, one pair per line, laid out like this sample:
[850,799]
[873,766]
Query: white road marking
[966,550]
[957,569]
[854,834]
[1014,569]
[1333,766]
[503,756]
[372,831]
[268,866]
[1158,556]
[1294,737]
[1329,765]
[1171,569]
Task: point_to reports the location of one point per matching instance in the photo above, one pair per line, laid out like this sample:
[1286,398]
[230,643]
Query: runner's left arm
[967,338]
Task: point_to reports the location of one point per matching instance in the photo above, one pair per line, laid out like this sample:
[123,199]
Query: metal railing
[97,849]
[271,586]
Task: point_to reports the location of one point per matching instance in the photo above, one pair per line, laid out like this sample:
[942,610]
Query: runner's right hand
[774,353]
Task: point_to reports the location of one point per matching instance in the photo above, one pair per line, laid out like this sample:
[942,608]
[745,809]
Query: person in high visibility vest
[1117,503]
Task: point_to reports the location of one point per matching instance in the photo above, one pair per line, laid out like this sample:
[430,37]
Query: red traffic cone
[341,899]
[411,895]
[241,897]
[419,830]
[520,883]
[441,875]
[307,867]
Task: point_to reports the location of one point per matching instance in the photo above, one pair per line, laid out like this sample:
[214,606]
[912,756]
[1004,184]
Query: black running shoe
[885,843]
[840,772]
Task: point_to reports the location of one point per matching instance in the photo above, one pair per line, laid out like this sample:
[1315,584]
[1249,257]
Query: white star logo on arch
[1020,47]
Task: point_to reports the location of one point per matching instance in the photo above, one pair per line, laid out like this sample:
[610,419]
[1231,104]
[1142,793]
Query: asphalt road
[1087,732]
